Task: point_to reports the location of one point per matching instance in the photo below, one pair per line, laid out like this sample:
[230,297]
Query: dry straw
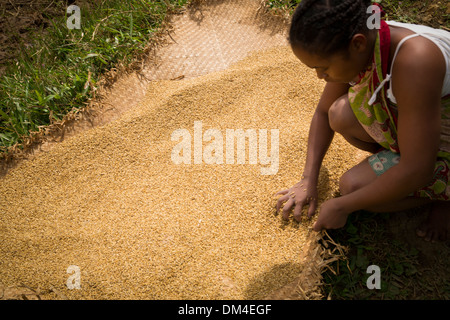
[112,202]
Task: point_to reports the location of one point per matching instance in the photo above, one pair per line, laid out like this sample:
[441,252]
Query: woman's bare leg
[435,228]
[361,175]
[343,121]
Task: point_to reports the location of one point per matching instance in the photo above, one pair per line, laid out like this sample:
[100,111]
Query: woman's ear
[359,43]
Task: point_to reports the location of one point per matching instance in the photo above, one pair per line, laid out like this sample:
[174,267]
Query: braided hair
[326,27]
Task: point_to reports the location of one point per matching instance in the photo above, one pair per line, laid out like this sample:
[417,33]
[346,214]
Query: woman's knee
[340,115]
[347,183]
[343,121]
[356,178]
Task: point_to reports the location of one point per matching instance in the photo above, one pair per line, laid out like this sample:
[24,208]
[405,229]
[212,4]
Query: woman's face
[338,67]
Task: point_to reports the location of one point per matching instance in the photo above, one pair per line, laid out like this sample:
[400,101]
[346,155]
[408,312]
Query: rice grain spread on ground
[112,202]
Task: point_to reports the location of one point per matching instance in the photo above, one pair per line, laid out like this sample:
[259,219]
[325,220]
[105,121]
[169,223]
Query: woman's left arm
[418,76]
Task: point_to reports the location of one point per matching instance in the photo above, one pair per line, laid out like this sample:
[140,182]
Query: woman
[387,92]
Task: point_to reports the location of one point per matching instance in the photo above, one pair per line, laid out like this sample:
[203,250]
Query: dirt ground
[20,20]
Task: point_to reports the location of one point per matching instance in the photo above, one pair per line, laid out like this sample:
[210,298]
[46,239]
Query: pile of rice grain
[112,202]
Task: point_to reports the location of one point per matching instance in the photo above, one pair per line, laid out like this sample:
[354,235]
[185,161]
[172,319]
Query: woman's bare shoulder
[418,55]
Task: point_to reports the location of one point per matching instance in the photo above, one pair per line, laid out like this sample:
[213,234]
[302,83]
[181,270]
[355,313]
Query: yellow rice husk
[112,202]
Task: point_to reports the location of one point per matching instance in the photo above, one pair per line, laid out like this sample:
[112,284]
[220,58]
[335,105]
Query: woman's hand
[302,193]
[331,216]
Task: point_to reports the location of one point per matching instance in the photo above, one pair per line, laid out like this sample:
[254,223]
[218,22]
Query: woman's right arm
[319,140]
[320,133]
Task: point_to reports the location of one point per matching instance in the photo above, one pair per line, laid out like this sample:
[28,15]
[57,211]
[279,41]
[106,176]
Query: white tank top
[439,37]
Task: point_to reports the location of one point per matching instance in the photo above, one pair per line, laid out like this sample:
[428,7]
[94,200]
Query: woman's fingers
[298,210]
[282,192]
[312,207]
[287,208]
[295,198]
[280,202]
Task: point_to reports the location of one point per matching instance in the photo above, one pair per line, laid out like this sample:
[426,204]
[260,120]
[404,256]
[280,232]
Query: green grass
[405,272]
[283,4]
[427,12]
[59,72]
[369,243]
